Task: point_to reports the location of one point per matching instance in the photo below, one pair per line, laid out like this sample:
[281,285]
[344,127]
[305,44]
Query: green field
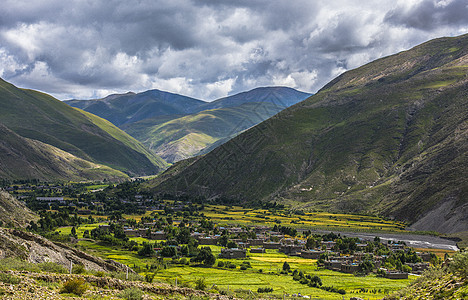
[265,272]
[311,220]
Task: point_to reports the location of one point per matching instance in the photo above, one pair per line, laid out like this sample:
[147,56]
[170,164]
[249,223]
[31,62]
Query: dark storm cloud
[427,15]
[207,48]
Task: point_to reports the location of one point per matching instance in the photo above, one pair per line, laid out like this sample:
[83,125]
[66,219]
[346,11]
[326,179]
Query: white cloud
[205,49]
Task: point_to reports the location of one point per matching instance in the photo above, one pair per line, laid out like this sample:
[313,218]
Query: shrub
[149,277]
[9,279]
[221,264]
[100,274]
[265,290]
[75,286]
[200,284]
[183,261]
[242,267]
[78,269]
[132,294]
[52,267]
[459,265]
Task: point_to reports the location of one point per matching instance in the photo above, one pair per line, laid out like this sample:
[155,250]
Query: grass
[311,220]
[270,264]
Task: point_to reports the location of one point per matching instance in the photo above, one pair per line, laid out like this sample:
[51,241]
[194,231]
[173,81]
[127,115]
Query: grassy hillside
[448,282]
[187,136]
[22,158]
[38,116]
[130,108]
[176,127]
[125,139]
[389,137]
[277,95]
[13,212]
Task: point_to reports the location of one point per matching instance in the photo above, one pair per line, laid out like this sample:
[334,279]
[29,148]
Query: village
[332,251]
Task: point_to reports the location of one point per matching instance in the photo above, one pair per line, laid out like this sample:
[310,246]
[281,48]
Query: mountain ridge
[40,117]
[176,134]
[384,138]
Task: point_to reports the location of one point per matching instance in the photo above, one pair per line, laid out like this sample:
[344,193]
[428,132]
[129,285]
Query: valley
[356,191]
[194,226]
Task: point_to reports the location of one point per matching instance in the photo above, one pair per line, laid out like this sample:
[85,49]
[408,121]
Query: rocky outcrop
[98,288]
[37,249]
[13,212]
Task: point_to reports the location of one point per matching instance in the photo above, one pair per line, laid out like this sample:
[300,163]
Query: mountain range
[44,138]
[176,127]
[390,137]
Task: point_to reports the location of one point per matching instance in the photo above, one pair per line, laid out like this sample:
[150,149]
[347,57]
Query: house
[418,268]
[157,235]
[350,268]
[255,242]
[426,256]
[312,254]
[233,253]
[328,244]
[257,250]
[396,275]
[132,232]
[291,249]
[334,265]
[271,245]
[208,240]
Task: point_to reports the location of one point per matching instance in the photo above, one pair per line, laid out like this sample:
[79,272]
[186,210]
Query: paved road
[412,240]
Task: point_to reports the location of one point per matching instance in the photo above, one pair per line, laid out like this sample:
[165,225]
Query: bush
[78,269]
[74,286]
[9,279]
[132,294]
[221,264]
[242,267]
[265,290]
[149,277]
[100,274]
[52,267]
[200,284]
[459,265]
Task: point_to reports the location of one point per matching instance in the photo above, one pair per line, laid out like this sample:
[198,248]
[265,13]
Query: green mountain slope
[22,158]
[179,137]
[187,136]
[389,137]
[128,108]
[38,116]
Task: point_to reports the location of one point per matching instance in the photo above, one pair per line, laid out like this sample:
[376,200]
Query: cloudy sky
[207,48]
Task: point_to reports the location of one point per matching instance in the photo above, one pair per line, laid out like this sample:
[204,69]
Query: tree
[231,244]
[147,250]
[366,266]
[168,251]
[315,281]
[205,256]
[286,266]
[73,231]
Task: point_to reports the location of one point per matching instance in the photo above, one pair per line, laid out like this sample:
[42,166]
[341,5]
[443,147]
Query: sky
[207,49]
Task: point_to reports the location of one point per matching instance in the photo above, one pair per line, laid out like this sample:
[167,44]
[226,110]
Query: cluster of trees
[285,230]
[50,221]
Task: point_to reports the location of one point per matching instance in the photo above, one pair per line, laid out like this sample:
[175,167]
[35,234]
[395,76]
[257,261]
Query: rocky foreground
[29,285]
